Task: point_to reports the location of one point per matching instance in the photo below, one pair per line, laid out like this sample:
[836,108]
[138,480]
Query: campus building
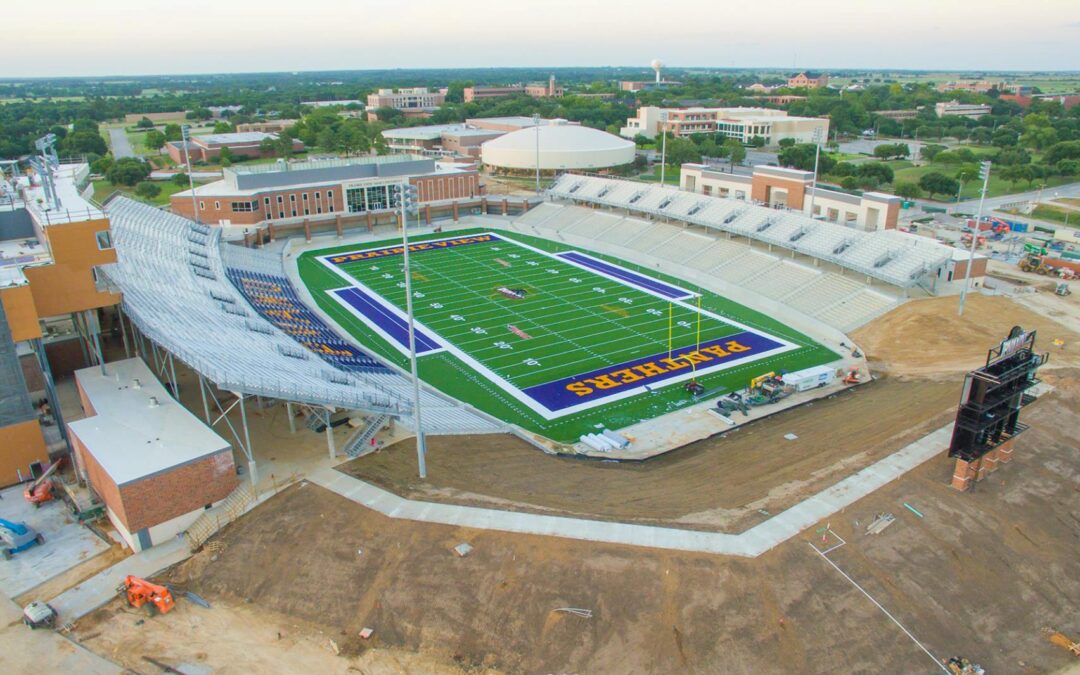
[413,102]
[265,126]
[535,89]
[808,79]
[778,187]
[557,146]
[208,148]
[52,242]
[957,109]
[321,189]
[742,124]
[642,85]
[458,140]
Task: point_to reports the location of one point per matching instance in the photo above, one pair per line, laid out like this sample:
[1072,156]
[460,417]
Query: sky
[147,37]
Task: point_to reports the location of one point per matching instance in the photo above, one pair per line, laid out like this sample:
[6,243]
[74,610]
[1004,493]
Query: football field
[555,332]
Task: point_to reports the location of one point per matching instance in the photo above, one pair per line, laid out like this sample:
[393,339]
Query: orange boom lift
[141,592]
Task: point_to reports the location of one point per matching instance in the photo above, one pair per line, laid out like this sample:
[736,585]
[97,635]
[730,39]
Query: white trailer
[809,378]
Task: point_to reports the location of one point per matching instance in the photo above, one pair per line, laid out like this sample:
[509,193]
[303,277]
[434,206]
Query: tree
[155,140]
[938,183]
[147,190]
[682,151]
[850,183]
[1063,150]
[127,171]
[1067,167]
[930,151]
[83,142]
[734,151]
[757,142]
[173,132]
[225,157]
[1013,156]
[1004,138]
[786,142]
[144,123]
[981,135]
[84,125]
[801,156]
[890,150]
[180,179]
[199,114]
[223,128]
[641,140]
[101,166]
[906,190]
[872,174]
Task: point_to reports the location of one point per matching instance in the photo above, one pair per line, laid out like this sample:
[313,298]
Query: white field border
[389,309]
[511,389]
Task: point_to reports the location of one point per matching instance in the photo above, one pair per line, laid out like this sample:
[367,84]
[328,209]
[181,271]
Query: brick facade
[314,201]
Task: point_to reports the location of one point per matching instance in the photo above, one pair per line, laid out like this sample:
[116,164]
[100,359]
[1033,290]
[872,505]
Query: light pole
[185,136]
[984,173]
[663,145]
[817,156]
[536,127]
[407,199]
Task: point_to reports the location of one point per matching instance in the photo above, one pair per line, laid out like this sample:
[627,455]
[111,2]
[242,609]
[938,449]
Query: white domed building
[562,147]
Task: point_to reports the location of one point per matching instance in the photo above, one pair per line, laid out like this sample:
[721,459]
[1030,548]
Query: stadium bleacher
[896,258]
[176,288]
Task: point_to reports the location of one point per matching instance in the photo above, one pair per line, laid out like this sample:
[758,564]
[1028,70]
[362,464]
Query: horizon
[133,40]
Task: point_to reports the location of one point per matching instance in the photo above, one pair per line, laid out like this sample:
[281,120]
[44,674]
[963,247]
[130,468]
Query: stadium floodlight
[817,156]
[536,126]
[408,200]
[185,136]
[984,173]
[663,146]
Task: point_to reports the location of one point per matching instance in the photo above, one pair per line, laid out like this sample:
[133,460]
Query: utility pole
[536,127]
[817,156]
[407,199]
[984,173]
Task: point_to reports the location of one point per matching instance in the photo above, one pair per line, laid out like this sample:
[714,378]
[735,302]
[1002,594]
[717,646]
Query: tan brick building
[208,148]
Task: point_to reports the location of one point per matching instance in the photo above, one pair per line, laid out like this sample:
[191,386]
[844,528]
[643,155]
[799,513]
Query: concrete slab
[99,589]
[751,543]
[43,651]
[67,543]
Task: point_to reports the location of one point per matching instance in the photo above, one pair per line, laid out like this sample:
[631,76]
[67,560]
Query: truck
[809,378]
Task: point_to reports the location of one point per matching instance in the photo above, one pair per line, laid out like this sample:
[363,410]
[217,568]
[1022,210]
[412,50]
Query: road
[1048,194]
[866,146]
[121,146]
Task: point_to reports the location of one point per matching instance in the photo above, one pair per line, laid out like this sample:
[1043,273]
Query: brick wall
[180,490]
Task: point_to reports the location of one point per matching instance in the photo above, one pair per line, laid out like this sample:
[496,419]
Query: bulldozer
[141,593]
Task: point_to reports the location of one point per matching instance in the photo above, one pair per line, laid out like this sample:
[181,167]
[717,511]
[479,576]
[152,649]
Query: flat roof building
[791,188]
[957,109]
[207,148]
[155,465]
[808,79]
[535,89]
[447,140]
[321,189]
[742,124]
[414,102]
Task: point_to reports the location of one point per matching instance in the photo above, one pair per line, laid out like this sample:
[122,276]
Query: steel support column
[292,417]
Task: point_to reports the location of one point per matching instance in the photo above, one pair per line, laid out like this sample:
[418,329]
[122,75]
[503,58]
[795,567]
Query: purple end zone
[633,278]
[387,251]
[650,370]
[389,322]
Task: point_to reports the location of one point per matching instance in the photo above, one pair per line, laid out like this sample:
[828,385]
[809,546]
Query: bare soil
[926,338]
[726,483]
[980,575]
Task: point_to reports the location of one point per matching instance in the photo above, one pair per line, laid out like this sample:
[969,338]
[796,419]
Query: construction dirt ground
[980,574]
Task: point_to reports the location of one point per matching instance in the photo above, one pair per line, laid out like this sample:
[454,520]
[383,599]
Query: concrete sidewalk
[750,544]
[43,651]
[99,589]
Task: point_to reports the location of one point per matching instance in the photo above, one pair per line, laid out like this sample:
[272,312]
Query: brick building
[322,189]
[154,465]
[413,102]
[808,79]
[535,89]
[208,148]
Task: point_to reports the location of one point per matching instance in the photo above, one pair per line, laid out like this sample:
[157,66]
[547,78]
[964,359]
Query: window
[292,199]
[244,207]
[331,207]
[305,196]
[318,208]
[279,200]
[202,206]
[266,201]
[280,214]
[104,240]
[307,211]
[294,213]
[217,206]
[318,195]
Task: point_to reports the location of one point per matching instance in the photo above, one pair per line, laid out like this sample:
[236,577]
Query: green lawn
[1056,215]
[571,328]
[671,174]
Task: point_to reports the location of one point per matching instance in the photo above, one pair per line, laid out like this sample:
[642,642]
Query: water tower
[656,65]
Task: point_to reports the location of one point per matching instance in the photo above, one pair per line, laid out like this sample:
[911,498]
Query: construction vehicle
[140,593]
[958,665]
[966,240]
[1061,640]
[730,403]
[41,490]
[1036,264]
[1062,289]
[17,537]
[852,376]
[39,615]
[767,388]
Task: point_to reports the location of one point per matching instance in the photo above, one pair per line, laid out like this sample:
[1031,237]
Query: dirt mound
[927,338]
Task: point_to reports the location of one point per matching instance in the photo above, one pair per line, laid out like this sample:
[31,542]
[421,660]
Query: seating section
[822,292]
[742,267]
[177,290]
[895,257]
[852,311]
[778,281]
